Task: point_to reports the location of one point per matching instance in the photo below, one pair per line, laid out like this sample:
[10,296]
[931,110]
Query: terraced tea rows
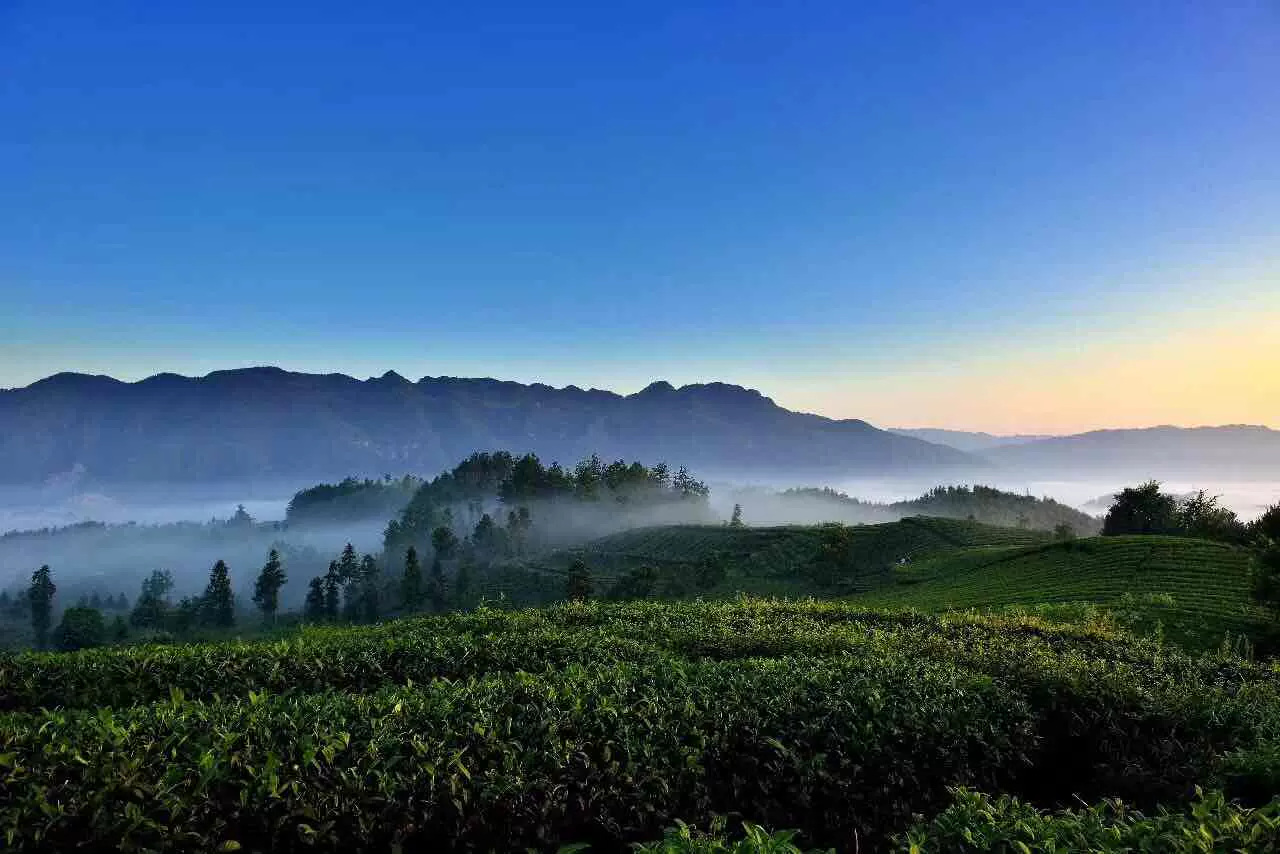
[1198,590]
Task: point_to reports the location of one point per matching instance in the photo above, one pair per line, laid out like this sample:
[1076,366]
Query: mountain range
[267,423]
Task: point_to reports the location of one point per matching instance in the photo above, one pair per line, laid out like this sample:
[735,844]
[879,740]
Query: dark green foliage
[1142,510]
[351,499]
[603,723]
[266,590]
[578,585]
[370,585]
[411,590]
[1267,526]
[119,630]
[979,503]
[40,600]
[437,592]
[1064,532]
[1201,516]
[977,822]
[639,583]
[464,580]
[332,592]
[80,628]
[753,839]
[218,602]
[313,609]
[152,608]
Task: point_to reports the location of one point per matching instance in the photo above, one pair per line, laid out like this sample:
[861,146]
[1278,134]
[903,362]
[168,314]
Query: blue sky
[833,202]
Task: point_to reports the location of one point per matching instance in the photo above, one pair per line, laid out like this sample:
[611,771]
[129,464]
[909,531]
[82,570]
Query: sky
[1009,216]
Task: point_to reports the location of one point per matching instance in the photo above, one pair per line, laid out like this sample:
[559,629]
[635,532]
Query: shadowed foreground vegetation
[606,723]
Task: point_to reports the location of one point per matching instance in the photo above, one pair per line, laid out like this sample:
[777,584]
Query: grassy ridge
[780,560]
[1197,590]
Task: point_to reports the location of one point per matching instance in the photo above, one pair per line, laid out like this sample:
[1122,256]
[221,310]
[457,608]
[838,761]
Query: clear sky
[1011,216]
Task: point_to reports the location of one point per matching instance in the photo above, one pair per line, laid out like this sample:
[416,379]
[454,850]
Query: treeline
[486,488]
[977,503]
[351,499]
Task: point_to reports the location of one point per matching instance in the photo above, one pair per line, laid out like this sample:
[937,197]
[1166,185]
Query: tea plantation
[608,724]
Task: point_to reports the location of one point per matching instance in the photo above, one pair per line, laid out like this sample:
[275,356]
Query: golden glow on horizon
[1224,374]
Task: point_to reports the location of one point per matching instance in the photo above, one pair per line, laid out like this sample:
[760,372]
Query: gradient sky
[1018,216]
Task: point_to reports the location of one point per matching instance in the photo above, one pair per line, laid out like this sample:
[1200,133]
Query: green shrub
[1210,823]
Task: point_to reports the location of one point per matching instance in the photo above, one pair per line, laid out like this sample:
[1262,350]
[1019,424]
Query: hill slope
[1198,590]
[803,560]
[263,423]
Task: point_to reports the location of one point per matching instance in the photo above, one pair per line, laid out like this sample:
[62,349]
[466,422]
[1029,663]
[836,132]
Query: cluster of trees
[977,503]
[517,483]
[1145,509]
[352,499]
[350,591]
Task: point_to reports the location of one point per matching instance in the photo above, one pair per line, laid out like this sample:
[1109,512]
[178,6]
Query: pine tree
[152,607]
[464,579]
[40,597]
[436,592]
[313,610]
[370,580]
[411,582]
[735,521]
[348,565]
[119,630]
[266,590]
[219,600]
[332,593]
[578,586]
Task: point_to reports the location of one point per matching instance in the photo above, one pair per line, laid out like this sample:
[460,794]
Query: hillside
[1197,590]
[259,424]
[801,560]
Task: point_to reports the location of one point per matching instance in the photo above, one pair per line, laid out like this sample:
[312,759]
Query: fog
[164,528]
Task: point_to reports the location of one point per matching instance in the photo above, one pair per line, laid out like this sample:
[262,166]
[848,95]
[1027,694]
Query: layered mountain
[267,423]
[964,440]
[1242,452]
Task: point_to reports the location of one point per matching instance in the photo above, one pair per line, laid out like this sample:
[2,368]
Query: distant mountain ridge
[1233,451]
[263,423]
[965,440]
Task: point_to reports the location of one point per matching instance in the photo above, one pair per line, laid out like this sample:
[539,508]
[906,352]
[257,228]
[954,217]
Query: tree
[411,581]
[80,628]
[219,600]
[1267,526]
[735,521]
[313,609]
[241,518]
[1142,509]
[266,590]
[1201,516]
[119,630]
[348,565]
[1265,570]
[40,598]
[578,585]
[437,594]
[465,578]
[332,592]
[189,613]
[445,542]
[152,607]
[370,580]
[1063,532]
